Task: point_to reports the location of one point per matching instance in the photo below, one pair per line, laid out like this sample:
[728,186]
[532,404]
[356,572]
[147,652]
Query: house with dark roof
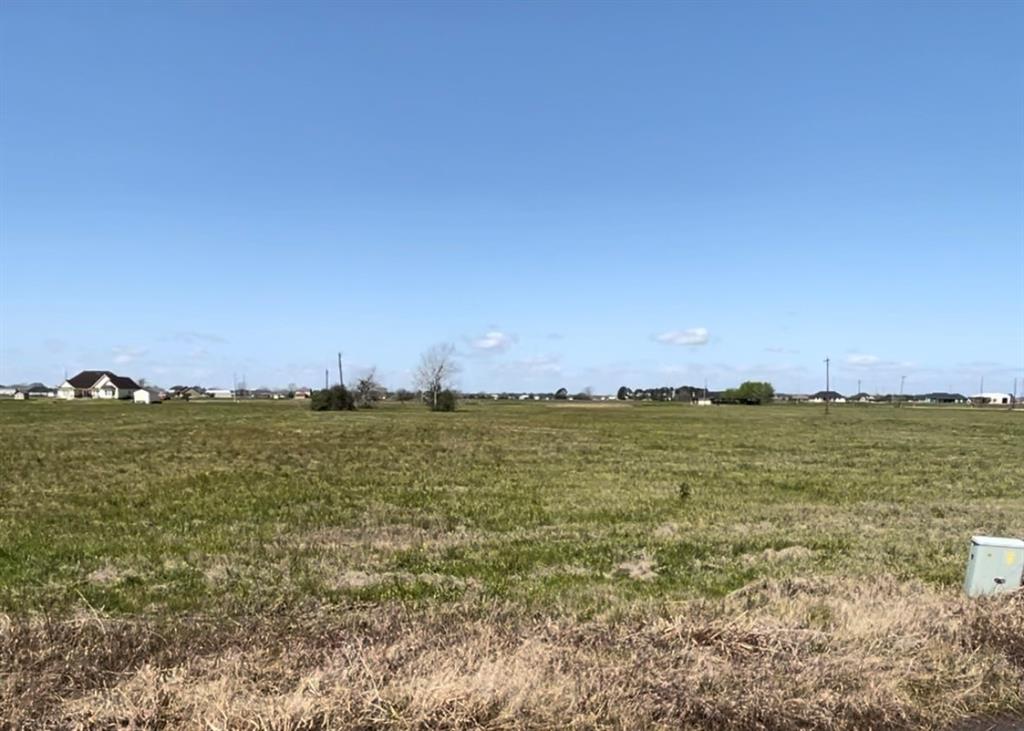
[97,384]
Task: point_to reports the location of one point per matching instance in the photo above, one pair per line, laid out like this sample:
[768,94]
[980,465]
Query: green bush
[336,398]
[446,401]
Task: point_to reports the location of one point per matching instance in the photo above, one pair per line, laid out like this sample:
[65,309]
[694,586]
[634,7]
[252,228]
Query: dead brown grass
[775,655]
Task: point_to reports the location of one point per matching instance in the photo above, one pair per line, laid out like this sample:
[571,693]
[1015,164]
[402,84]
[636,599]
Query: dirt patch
[771,555]
[642,568]
[107,575]
[666,531]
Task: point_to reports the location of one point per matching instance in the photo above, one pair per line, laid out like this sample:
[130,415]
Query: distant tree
[403,394]
[436,373]
[624,393]
[750,392]
[142,382]
[336,398]
[562,393]
[367,390]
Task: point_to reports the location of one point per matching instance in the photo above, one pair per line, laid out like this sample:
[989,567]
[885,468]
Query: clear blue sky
[577,194]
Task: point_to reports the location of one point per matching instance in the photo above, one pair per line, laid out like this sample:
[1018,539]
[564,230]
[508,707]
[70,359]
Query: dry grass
[249,566]
[774,655]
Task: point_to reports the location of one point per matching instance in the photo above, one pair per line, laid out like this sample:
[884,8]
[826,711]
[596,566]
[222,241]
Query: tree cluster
[749,392]
[434,378]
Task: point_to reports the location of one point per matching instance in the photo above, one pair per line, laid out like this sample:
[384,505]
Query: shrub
[336,398]
[446,401]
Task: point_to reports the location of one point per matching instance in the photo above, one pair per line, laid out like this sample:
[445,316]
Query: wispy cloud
[194,337]
[124,356]
[493,341]
[862,360]
[693,336]
[780,350]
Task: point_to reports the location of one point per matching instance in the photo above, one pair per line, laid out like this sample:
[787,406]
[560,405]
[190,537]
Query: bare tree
[436,372]
[368,389]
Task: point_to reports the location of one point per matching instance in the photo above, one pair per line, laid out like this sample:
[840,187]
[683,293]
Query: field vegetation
[553,564]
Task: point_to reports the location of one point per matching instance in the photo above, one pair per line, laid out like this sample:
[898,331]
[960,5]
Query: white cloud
[781,350]
[862,359]
[693,336]
[123,356]
[493,341]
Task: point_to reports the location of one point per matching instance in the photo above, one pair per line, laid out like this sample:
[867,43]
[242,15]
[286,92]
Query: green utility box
[995,565]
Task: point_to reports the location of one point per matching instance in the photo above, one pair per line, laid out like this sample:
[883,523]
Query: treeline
[749,392]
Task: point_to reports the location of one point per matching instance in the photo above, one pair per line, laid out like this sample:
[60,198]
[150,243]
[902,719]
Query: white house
[147,396]
[97,384]
[991,399]
[221,393]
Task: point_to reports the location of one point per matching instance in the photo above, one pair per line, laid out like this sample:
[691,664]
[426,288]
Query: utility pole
[828,385]
[326,385]
[341,380]
[1013,396]
[902,379]
[858,386]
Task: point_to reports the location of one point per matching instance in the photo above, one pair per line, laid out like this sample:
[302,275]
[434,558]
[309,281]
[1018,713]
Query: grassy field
[202,565]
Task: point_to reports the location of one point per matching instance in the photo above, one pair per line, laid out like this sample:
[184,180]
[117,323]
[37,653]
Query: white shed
[146,396]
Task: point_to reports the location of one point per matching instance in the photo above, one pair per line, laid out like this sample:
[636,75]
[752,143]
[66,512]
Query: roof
[997,542]
[830,395]
[87,379]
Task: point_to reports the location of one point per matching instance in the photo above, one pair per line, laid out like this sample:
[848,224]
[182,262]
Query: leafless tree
[368,389]
[436,372]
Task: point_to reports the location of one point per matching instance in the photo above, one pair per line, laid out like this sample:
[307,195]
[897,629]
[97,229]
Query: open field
[644,565]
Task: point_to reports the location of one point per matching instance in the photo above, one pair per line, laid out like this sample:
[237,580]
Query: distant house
[192,392]
[862,398]
[7,391]
[940,397]
[262,393]
[147,396]
[992,399]
[97,384]
[221,393]
[833,396]
[302,393]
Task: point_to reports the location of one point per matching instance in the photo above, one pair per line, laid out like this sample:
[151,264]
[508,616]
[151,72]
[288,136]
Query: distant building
[7,391]
[302,393]
[832,396]
[220,393]
[992,399]
[97,384]
[147,396]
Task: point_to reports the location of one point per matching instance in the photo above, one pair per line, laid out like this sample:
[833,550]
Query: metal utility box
[995,565]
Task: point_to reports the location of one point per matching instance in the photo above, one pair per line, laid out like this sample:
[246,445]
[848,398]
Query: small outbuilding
[992,399]
[147,396]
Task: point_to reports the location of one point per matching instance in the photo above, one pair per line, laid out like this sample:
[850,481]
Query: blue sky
[574,194]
